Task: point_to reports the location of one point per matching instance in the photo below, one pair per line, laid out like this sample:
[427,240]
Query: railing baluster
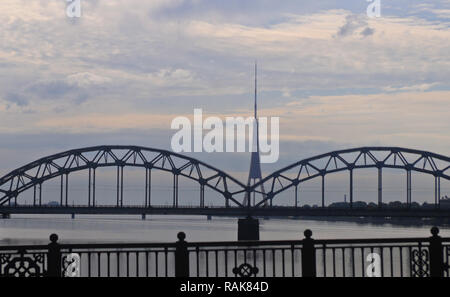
[264,262]
[165,262]
[217,263]
[156,263]
[118,264]
[409,262]
[98,264]
[362,261]
[226,263]
[108,259]
[128,264]
[137,264]
[382,260]
[292,260]
[207,262]
[352,250]
[235,259]
[392,261]
[273,263]
[401,260]
[197,251]
[245,255]
[89,264]
[333,250]
[254,258]
[146,263]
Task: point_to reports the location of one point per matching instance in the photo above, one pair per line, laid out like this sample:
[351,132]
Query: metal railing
[405,257]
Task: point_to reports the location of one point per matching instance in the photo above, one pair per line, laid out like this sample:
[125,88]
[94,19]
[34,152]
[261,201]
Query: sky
[125,69]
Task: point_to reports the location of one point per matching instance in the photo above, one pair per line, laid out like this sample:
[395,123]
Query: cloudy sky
[126,68]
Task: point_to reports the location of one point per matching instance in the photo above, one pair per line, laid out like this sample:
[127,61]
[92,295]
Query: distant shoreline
[399,221]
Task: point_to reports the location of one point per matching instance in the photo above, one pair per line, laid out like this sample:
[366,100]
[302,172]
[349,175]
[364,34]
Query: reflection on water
[89,229]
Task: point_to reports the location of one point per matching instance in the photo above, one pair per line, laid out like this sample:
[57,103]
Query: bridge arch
[91,158]
[356,158]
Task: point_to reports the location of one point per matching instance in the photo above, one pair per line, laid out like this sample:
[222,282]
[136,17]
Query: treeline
[362,204]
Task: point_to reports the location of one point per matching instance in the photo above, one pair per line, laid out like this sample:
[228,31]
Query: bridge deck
[231,211]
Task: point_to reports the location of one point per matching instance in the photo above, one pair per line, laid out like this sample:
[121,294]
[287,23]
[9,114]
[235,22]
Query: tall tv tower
[255,164]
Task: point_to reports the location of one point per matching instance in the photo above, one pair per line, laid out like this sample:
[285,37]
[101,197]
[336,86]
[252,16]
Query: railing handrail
[69,246]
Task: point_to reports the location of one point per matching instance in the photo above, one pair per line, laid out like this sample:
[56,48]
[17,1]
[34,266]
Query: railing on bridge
[415,257]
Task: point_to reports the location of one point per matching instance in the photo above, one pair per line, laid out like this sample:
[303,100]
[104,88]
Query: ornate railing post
[54,257]
[436,254]
[308,255]
[181,257]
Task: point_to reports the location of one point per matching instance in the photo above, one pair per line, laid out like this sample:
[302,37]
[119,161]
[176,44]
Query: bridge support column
[61,198]
[72,216]
[323,190]
[437,191]
[143,217]
[121,186]
[202,195]
[296,196]
[119,180]
[408,188]
[248,229]
[34,195]
[209,217]
[93,189]
[40,194]
[6,216]
[148,187]
[89,187]
[380,187]
[351,188]
[67,190]
[175,190]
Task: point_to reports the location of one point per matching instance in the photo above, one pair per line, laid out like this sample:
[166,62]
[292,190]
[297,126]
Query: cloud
[85,79]
[171,77]
[367,31]
[131,65]
[355,23]
[420,87]
[50,89]
[17,99]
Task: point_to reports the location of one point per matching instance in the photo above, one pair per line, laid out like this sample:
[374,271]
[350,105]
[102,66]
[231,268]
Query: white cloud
[421,87]
[131,64]
[84,79]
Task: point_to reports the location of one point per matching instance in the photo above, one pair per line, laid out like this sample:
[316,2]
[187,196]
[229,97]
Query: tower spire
[255,164]
[256,92]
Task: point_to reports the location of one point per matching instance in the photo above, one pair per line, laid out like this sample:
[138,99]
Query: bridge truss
[408,160]
[62,165]
[33,175]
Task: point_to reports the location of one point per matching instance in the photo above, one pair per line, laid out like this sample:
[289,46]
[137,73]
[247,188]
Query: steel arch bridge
[61,165]
[34,174]
[358,158]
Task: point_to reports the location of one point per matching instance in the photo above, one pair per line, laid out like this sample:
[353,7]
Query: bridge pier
[143,216]
[209,217]
[248,229]
[73,216]
[6,216]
